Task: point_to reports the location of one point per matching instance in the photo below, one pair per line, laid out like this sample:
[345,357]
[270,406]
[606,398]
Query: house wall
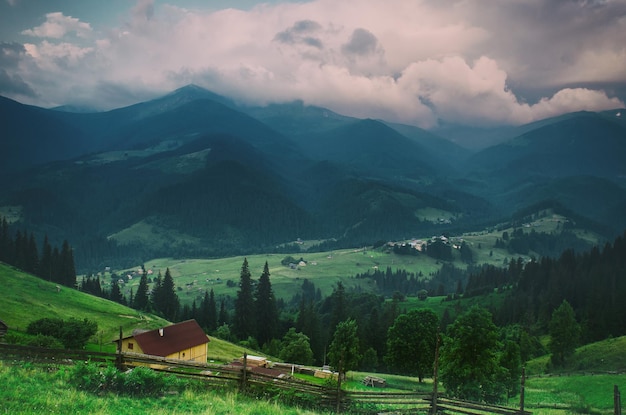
[196,354]
[130,346]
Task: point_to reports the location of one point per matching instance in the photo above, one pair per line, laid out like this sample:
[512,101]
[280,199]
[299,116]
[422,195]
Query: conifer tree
[67,271]
[5,240]
[222,317]
[211,312]
[32,256]
[244,319]
[166,300]
[141,301]
[45,263]
[266,310]
[116,294]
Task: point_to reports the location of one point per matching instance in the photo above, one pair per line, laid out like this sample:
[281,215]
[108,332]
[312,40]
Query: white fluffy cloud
[57,25]
[410,61]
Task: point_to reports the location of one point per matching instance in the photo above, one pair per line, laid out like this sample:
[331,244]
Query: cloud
[362,43]
[301,33]
[11,83]
[58,25]
[409,61]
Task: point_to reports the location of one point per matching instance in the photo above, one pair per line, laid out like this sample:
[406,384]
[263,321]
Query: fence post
[617,401]
[244,373]
[521,391]
[435,398]
[340,369]
[118,357]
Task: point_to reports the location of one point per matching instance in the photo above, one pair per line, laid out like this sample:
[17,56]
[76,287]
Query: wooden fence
[251,380]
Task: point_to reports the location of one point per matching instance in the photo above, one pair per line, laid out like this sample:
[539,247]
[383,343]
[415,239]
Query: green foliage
[41,340]
[343,352]
[72,333]
[469,364]
[266,310]
[245,315]
[411,343]
[140,381]
[296,348]
[164,297]
[564,333]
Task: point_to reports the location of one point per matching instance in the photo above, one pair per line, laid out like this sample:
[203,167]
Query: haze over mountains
[193,173]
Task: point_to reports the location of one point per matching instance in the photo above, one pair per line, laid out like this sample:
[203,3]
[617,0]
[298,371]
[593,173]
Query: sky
[419,62]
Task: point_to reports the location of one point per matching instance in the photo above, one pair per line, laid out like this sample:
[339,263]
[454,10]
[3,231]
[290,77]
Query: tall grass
[37,390]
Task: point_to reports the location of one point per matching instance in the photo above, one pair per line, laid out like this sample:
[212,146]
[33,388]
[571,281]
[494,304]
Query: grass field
[586,388]
[195,276]
[27,298]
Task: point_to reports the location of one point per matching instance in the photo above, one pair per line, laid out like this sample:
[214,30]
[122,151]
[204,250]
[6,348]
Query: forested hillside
[196,174]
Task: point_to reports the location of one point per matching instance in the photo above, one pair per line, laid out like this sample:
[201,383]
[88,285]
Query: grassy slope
[26,298]
[324,269]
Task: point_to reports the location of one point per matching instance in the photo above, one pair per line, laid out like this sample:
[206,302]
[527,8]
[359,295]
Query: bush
[140,381]
[73,333]
[41,340]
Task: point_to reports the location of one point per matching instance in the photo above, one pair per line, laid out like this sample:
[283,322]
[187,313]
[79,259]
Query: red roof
[175,338]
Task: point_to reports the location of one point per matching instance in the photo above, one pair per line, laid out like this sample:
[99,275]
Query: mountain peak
[192,92]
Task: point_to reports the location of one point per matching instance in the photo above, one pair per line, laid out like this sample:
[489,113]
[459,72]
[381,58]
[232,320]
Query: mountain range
[194,173]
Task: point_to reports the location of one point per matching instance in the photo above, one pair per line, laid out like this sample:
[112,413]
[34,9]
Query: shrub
[140,381]
[73,333]
[41,340]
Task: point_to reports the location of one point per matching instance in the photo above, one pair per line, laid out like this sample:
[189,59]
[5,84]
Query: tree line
[49,263]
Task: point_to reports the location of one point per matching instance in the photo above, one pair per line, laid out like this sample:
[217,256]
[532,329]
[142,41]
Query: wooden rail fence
[249,380]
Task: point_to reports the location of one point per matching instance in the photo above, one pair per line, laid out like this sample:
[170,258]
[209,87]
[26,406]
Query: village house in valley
[183,341]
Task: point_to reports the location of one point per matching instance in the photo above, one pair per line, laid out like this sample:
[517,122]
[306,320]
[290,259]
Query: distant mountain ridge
[214,178]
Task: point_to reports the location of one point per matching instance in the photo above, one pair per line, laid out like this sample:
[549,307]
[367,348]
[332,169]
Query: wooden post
[244,374]
[433,402]
[118,358]
[521,391]
[339,372]
[617,401]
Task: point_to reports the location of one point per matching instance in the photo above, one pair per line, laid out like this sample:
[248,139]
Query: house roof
[177,337]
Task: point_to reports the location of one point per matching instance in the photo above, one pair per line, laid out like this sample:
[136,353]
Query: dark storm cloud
[10,80]
[14,84]
[300,33]
[362,43]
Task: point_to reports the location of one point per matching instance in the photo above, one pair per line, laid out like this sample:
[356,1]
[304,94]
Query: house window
[130,346]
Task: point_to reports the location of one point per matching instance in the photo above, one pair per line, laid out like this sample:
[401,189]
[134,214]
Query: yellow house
[183,341]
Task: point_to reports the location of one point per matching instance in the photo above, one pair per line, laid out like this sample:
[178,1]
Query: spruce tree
[141,296]
[244,318]
[67,270]
[32,256]
[266,311]
[45,263]
[167,303]
[222,317]
[116,294]
[211,313]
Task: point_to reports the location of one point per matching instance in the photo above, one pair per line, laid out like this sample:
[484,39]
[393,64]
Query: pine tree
[222,318]
[32,256]
[67,270]
[116,294]
[339,313]
[141,300]
[167,302]
[244,318]
[266,311]
[45,263]
[5,241]
[211,312]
